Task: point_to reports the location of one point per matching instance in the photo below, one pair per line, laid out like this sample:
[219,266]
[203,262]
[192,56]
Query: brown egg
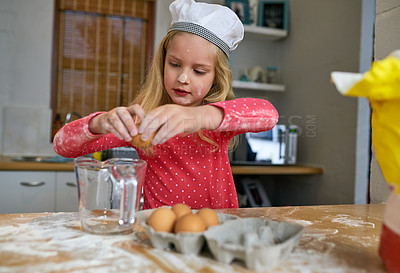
[162,219]
[190,223]
[137,141]
[181,209]
[209,217]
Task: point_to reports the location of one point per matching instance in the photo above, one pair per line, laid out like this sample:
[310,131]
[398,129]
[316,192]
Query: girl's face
[189,69]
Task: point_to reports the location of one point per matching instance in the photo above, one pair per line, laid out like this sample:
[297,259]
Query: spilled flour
[44,241]
[56,243]
[349,221]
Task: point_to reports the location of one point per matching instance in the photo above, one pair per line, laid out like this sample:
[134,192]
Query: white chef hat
[216,23]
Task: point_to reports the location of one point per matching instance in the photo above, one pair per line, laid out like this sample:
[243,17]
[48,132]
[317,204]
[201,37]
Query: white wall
[163,20]
[26,29]
[324,37]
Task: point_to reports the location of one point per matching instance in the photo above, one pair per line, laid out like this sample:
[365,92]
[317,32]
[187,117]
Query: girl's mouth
[181,92]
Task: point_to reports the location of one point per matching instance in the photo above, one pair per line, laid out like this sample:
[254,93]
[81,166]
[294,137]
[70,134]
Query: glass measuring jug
[109,193]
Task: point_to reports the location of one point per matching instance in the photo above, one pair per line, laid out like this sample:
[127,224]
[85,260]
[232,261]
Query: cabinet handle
[71,184]
[32,184]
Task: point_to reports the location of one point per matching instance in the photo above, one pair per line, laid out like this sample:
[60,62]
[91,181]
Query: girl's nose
[183,78]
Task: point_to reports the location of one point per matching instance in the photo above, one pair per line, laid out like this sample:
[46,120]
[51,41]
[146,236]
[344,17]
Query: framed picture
[273,14]
[241,8]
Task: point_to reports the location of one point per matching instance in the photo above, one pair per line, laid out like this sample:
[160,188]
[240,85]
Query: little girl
[188,103]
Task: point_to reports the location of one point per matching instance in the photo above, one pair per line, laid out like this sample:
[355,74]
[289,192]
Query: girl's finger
[152,122]
[168,130]
[128,122]
[118,126]
[136,110]
[110,129]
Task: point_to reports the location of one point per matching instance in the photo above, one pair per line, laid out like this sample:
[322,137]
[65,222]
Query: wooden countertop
[6,163]
[338,238]
[275,170]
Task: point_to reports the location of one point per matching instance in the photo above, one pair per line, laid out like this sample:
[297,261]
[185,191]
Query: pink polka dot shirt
[185,169]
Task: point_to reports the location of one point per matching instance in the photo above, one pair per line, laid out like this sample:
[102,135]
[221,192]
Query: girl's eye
[174,64]
[200,72]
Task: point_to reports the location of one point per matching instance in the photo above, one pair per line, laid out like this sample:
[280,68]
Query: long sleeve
[184,169]
[247,115]
[75,139]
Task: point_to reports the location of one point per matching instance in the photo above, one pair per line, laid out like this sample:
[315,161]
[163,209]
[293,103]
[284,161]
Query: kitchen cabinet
[37,191]
[27,191]
[261,35]
[66,194]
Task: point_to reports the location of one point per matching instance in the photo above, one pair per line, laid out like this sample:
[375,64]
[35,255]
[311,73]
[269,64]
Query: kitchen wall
[26,29]
[324,36]
[324,40]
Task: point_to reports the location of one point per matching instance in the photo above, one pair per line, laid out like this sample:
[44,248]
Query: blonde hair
[152,93]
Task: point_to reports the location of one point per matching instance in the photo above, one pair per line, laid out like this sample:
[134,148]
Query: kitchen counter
[337,238]
[6,163]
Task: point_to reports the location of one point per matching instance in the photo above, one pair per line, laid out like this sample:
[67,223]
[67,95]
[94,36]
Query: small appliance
[275,147]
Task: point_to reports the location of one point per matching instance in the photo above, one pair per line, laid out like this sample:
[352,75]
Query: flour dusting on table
[351,221]
[57,243]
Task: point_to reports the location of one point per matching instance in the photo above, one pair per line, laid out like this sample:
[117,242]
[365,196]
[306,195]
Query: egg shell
[137,140]
[190,223]
[209,217]
[181,210]
[162,219]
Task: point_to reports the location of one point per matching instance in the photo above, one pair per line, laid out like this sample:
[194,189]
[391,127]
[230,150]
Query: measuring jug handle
[128,201]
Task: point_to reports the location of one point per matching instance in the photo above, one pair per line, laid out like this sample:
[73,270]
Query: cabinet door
[27,191]
[66,192]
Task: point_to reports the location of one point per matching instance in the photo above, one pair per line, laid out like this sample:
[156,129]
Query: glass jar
[272,72]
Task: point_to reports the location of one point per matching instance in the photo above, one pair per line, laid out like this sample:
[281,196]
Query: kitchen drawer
[22,191]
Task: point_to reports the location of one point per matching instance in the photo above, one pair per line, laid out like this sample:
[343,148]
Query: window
[101,51]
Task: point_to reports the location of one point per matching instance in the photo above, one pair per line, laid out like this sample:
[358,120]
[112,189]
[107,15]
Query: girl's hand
[118,121]
[171,120]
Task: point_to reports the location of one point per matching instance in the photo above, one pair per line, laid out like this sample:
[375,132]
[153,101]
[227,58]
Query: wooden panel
[102,58]
[138,8]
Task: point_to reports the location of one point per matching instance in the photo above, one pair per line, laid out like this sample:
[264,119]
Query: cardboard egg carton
[183,242]
[260,243]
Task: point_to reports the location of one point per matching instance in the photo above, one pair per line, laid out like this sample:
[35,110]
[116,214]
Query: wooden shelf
[270,34]
[275,170]
[258,86]
[263,34]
